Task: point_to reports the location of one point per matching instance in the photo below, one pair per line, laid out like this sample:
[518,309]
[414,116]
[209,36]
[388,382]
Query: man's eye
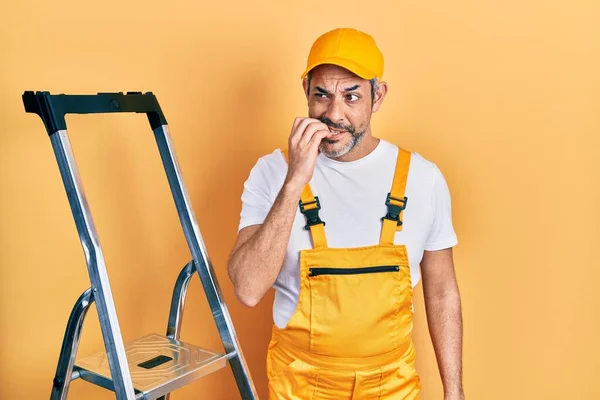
[321,95]
[352,97]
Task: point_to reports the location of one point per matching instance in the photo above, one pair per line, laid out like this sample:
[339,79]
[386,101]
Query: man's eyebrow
[352,88]
[321,90]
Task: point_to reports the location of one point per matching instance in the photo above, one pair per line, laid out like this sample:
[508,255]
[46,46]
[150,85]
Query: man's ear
[305,87]
[379,96]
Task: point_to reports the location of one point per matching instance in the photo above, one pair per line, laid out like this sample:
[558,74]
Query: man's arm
[258,253]
[444,317]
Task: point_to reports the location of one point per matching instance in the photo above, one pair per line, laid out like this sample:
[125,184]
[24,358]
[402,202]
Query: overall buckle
[394,211]
[312,215]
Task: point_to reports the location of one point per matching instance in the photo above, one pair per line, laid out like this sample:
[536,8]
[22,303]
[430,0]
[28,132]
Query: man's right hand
[303,146]
[259,251]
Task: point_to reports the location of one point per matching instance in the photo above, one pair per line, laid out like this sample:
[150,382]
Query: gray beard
[356,139]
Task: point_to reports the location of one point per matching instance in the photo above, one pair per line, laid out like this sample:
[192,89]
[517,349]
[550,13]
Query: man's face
[343,102]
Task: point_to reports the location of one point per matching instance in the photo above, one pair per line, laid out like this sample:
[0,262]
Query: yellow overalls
[350,337]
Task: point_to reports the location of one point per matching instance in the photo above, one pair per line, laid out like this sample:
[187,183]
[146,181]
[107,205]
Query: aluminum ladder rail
[153,366]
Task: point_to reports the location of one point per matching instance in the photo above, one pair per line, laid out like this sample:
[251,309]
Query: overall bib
[350,337]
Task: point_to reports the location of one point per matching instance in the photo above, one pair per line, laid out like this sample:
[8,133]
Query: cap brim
[345,63]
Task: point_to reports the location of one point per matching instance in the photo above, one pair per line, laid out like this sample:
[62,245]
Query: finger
[318,136]
[296,134]
[307,134]
[304,124]
[315,141]
[297,122]
[310,131]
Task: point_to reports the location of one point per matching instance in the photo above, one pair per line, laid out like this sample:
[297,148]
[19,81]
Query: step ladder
[153,366]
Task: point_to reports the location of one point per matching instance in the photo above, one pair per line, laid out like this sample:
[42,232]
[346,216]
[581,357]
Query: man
[338,225]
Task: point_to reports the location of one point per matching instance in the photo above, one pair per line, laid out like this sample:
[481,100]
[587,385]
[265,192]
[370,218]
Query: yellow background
[503,96]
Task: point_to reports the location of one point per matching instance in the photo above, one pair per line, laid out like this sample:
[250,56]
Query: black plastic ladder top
[52,108]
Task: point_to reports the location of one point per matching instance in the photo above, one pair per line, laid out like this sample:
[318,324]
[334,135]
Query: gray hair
[374,85]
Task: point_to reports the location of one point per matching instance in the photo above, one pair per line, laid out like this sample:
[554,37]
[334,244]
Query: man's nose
[335,111]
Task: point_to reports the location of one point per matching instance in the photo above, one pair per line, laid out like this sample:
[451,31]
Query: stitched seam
[380,382]
[318,379]
[338,43]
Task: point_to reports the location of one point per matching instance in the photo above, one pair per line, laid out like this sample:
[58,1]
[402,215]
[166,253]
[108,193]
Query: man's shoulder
[274,158]
[418,163]
[422,163]
[271,164]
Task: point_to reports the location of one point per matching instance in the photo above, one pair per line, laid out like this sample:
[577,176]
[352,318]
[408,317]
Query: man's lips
[335,133]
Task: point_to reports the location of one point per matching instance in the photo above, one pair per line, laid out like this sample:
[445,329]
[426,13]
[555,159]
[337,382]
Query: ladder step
[158,365]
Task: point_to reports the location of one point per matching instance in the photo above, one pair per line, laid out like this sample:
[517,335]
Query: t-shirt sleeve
[256,202]
[442,235]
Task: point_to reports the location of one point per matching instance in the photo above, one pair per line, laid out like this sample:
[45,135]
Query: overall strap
[310,206]
[396,200]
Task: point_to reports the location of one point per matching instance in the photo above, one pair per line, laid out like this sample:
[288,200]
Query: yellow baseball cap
[350,49]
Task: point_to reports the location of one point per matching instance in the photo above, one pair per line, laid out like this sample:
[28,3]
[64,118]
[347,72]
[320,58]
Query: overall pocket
[295,381]
[354,311]
[401,381]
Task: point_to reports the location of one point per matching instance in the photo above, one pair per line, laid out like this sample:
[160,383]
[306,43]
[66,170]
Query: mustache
[331,124]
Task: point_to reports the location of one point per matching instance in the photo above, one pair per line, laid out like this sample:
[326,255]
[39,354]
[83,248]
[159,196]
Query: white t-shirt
[352,197]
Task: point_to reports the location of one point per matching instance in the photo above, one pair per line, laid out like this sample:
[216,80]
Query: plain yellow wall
[503,96]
